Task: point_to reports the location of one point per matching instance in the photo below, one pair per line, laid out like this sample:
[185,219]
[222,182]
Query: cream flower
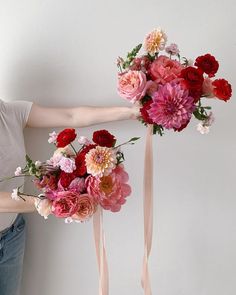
[100,161]
[155,41]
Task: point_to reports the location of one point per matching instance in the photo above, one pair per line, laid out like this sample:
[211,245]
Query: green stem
[73,148]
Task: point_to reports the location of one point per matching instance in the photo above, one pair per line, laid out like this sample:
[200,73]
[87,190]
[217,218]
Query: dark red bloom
[104,138]
[87,148]
[182,127]
[80,165]
[146,106]
[208,64]
[222,89]
[195,93]
[65,137]
[193,77]
[66,178]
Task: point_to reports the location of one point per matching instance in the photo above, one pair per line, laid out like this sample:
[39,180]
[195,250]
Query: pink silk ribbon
[99,238]
[147,209]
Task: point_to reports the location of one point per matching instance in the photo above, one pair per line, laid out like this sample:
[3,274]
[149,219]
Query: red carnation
[193,77]
[146,106]
[104,138]
[65,137]
[222,89]
[208,64]
[66,178]
[80,165]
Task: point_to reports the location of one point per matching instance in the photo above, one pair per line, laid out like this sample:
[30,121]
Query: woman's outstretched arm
[79,116]
[8,205]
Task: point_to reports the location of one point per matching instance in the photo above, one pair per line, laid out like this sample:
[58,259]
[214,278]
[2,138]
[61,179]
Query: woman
[14,117]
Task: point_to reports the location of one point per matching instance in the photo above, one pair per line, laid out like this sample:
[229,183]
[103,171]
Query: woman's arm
[79,116]
[8,205]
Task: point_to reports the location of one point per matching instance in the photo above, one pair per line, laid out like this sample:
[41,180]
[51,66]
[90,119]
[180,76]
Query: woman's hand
[135,110]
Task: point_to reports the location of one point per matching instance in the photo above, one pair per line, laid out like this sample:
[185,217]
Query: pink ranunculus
[207,88]
[110,191]
[164,69]
[131,85]
[66,204]
[86,209]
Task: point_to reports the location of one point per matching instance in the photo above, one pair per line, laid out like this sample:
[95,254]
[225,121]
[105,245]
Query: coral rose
[66,204]
[164,69]
[86,209]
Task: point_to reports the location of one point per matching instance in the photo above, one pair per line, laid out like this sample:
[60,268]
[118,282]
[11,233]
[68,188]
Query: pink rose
[207,88]
[131,85]
[110,191]
[66,204]
[86,209]
[164,69]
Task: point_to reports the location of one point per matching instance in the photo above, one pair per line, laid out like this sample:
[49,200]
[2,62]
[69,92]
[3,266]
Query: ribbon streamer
[147,209]
[99,238]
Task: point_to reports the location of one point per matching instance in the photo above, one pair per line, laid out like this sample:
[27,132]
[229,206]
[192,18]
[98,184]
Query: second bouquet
[73,183]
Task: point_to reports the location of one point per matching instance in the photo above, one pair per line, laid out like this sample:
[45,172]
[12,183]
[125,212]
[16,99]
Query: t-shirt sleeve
[21,109]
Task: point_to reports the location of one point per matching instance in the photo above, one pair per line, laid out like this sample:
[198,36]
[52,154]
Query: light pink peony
[86,209]
[110,191]
[164,69]
[66,204]
[172,106]
[131,85]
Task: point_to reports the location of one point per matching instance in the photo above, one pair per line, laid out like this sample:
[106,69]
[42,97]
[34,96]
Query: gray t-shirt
[13,119]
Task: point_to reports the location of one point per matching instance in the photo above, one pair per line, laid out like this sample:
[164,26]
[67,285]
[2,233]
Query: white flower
[44,207]
[52,137]
[38,164]
[68,220]
[15,195]
[18,171]
[84,140]
[202,129]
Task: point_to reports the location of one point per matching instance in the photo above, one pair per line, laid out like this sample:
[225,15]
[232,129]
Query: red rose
[193,77]
[65,137]
[144,113]
[222,89]
[208,64]
[80,164]
[66,178]
[104,138]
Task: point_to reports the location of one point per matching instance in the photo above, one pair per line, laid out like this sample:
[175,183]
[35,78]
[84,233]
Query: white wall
[63,53]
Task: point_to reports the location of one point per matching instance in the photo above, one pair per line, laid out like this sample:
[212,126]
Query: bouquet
[170,88]
[74,183]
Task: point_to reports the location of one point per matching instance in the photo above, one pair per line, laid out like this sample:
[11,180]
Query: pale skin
[44,117]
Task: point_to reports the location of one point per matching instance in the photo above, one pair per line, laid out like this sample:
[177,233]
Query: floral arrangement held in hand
[74,183]
[170,88]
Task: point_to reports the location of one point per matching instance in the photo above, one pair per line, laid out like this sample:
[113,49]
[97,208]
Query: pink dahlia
[172,106]
[164,69]
[110,191]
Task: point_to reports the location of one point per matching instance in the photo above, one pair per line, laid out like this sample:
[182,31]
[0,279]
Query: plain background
[63,53]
